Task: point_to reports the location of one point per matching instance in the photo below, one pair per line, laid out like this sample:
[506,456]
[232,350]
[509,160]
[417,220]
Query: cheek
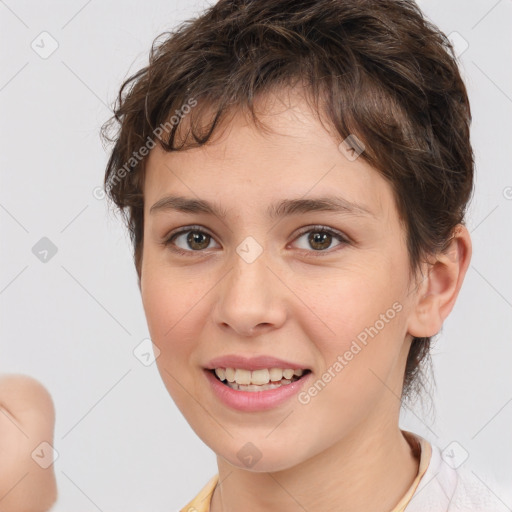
[165,306]
[157,302]
[169,314]
[361,327]
[350,301]
[167,296]
[176,310]
[358,363]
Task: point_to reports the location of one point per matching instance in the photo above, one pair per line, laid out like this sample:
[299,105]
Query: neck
[369,470]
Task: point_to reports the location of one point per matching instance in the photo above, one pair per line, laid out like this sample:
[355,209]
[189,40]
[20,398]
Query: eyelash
[197,229]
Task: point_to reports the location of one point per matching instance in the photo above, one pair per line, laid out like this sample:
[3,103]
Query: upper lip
[252,363]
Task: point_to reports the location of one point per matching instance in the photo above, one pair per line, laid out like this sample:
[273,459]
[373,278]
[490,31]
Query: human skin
[344,450]
[27,418]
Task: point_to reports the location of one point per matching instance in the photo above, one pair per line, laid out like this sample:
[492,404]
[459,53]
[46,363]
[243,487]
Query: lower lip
[250,401]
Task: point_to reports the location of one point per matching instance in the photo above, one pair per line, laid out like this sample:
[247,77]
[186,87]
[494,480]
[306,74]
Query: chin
[260,460]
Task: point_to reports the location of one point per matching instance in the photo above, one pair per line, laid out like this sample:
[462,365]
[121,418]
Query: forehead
[244,167]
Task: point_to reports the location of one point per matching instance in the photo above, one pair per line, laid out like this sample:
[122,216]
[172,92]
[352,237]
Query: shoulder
[447,488]
[476,491]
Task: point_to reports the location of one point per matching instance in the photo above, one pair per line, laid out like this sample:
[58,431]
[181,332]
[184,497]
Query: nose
[251,299]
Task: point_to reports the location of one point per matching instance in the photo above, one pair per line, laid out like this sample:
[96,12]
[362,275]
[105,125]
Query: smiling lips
[257,373]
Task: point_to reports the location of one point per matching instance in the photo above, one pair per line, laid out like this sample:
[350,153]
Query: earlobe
[437,292]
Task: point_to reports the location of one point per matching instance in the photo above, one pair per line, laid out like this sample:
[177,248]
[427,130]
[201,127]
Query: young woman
[294,175]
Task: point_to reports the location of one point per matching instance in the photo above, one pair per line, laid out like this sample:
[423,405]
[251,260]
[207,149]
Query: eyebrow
[284,208]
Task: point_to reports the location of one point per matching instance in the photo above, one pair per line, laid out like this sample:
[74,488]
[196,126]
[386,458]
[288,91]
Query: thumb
[27,421]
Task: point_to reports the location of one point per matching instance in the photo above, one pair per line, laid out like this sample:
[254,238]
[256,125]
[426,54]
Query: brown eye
[320,238]
[198,240]
[189,241]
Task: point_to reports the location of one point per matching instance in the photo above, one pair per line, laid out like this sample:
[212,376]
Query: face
[325,290]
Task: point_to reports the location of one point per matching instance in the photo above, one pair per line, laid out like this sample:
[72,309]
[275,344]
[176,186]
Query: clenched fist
[27,419]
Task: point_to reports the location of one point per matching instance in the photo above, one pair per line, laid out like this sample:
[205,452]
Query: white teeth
[276,374]
[259,378]
[243,376]
[230,374]
[287,374]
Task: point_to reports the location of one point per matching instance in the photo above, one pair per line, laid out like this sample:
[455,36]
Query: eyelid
[185,229]
[323,228]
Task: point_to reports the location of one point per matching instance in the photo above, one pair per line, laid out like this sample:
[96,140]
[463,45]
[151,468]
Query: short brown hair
[377,69]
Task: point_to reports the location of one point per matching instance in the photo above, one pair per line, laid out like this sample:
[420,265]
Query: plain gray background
[73,321]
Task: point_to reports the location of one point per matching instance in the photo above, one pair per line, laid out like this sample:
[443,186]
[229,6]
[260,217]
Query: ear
[435,295]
